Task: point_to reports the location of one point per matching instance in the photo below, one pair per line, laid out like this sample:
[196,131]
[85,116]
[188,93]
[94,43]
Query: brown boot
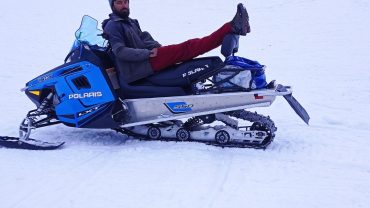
[240,23]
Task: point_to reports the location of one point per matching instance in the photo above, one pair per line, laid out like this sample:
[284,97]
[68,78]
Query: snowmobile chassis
[82,93]
[164,124]
[149,126]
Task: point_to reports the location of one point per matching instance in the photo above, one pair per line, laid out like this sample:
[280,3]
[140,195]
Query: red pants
[172,54]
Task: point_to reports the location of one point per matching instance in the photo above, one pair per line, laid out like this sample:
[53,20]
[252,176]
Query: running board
[154,110]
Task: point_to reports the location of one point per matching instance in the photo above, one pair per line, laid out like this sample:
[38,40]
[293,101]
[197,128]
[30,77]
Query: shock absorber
[44,104]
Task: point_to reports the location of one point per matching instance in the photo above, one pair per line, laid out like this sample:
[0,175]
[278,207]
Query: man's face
[122,7]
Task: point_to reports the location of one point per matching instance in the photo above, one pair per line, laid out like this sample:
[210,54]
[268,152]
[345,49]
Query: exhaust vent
[81,83]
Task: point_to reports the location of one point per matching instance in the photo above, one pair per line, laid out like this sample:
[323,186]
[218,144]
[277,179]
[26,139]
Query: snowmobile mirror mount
[230,45]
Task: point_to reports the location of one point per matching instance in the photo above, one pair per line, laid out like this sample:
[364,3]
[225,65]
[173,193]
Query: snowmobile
[201,100]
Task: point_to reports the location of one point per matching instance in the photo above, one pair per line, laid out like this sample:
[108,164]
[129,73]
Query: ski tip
[305,118]
[307,122]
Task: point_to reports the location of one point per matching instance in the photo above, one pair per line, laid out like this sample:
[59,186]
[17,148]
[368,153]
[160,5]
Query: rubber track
[267,123]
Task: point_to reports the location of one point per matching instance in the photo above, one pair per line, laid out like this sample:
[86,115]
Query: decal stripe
[37,93]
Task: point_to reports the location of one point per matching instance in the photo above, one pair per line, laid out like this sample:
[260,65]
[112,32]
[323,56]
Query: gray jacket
[131,47]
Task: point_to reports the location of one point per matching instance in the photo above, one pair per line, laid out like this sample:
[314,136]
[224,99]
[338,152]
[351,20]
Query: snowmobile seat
[184,74]
[174,81]
[146,91]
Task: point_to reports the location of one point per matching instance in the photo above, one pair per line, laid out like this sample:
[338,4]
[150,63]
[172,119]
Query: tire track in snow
[74,177]
[219,188]
[101,166]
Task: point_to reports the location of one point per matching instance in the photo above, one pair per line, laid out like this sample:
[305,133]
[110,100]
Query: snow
[319,47]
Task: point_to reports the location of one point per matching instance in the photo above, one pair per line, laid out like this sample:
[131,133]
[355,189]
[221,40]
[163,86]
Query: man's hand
[153,52]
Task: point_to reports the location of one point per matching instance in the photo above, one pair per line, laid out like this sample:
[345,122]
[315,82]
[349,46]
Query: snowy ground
[319,47]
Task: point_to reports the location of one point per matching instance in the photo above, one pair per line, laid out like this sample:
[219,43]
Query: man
[138,55]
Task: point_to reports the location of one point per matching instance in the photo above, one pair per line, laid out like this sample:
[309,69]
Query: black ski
[29,144]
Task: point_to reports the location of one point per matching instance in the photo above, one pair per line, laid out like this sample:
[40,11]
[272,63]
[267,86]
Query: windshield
[88,33]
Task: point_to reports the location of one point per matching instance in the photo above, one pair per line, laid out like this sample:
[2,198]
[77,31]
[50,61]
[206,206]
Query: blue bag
[244,73]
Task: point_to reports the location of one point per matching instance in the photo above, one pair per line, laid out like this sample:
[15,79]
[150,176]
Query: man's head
[120,7]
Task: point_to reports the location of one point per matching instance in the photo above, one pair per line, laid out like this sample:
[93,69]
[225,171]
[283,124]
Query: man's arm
[116,39]
[147,38]
[149,41]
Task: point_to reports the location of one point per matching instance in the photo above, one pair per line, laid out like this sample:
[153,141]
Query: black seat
[174,81]
[145,91]
[184,74]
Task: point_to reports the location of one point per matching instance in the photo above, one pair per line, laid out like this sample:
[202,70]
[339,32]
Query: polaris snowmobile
[201,100]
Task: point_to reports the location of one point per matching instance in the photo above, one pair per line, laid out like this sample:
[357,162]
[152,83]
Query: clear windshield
[88,33]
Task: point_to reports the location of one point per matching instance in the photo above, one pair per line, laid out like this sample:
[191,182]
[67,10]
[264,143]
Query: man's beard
[124,13]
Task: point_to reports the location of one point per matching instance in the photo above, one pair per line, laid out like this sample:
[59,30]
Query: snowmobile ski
[29,144]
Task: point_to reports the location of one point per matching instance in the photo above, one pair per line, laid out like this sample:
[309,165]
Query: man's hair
[112,1]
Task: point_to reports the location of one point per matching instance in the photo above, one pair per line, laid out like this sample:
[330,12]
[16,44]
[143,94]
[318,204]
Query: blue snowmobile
[180,104]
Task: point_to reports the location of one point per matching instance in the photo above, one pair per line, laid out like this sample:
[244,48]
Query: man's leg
[172,54]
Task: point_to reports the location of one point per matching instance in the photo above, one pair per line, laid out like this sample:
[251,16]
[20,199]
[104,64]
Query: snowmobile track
[263,123]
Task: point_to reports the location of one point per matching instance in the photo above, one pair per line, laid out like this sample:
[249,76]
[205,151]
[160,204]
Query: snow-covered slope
[319,47]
